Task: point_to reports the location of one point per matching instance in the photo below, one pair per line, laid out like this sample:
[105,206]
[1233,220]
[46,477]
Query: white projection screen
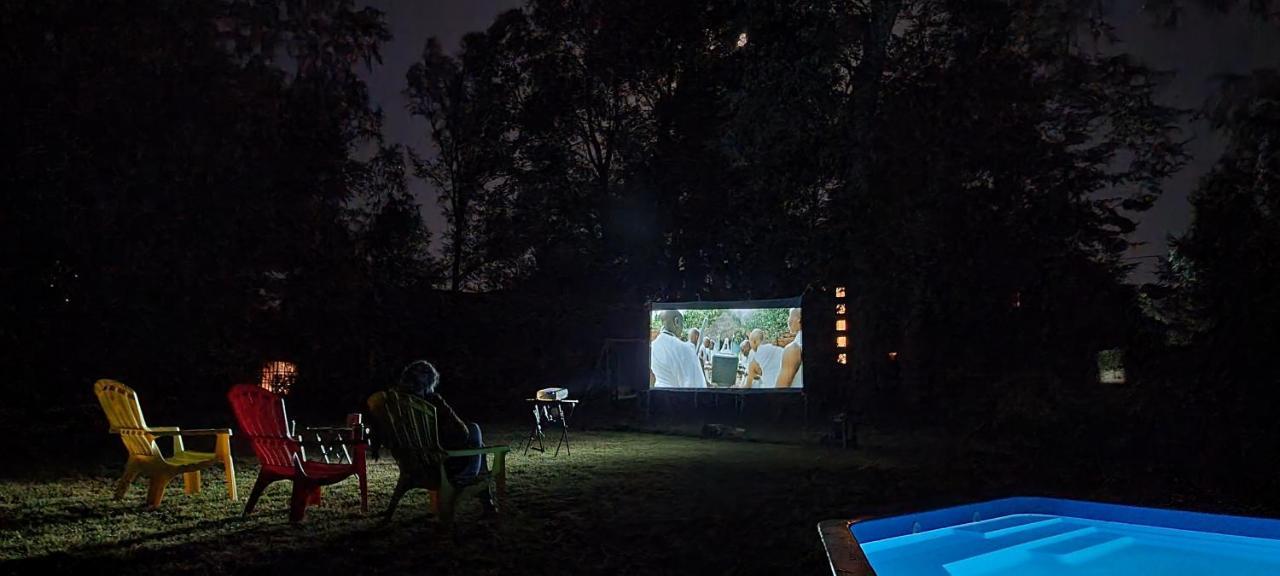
[753,344]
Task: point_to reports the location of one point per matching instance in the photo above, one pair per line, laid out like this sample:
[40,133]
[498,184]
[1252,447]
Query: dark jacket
[452,429]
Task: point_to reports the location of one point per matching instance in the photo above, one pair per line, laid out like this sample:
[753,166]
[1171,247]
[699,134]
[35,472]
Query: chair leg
[315,496]
[191,482]
[446,507]
[364,492]
[446,503]
[155,490]
[258,486]
[223,451]
[302,495]
[402,486]
[500,474]
[434,497]
[122,486]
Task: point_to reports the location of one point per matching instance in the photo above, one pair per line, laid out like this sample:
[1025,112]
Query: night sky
[1204,46]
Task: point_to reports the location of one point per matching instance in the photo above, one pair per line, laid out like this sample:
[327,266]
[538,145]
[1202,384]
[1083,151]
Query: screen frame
[793,302]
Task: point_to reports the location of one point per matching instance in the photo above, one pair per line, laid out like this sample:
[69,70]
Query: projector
[552,394]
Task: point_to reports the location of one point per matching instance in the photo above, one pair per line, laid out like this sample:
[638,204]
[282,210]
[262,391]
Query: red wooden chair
[262,418]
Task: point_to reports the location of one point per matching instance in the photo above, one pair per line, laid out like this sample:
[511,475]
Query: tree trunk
[460,223]
[865,102]
[864,106]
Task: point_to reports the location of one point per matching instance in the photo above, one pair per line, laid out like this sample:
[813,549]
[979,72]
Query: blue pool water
[1151,542]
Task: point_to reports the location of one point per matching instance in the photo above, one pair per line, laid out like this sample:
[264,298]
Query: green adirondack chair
[407,425]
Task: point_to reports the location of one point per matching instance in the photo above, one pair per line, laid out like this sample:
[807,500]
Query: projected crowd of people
[758,348]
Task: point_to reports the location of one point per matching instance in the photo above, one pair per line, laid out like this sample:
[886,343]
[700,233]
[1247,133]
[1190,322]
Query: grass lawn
[622,503]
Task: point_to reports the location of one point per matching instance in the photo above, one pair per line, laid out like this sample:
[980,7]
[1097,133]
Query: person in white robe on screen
[765,363]
[744,362]
[672,361]
[708,350]
[791,373]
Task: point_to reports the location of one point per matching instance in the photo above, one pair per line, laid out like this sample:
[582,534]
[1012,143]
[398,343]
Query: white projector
[552,394]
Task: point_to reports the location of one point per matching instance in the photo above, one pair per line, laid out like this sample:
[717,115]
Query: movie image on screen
[757,348]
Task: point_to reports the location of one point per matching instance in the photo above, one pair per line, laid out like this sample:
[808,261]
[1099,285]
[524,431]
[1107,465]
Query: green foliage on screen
[772,320]
[735,324]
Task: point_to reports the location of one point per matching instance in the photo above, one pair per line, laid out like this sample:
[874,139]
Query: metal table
[550,412]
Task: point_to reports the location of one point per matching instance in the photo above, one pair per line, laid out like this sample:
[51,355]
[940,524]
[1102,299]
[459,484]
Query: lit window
[279,377]
[842,341]
[842,358]
[742,39]
[842,325]
[839,291]
[840,309]
[893,356]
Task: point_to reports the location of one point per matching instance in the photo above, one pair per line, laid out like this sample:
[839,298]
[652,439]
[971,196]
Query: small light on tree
[742,40]
[279,376]
[893,356]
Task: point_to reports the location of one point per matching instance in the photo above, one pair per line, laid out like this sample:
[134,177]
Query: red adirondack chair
[262,418]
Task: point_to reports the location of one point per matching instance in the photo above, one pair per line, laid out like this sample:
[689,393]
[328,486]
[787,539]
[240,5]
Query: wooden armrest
[328,428]
[334,442]
[206,432]
[159,431]
[174,431]
[478,451]
[166,431]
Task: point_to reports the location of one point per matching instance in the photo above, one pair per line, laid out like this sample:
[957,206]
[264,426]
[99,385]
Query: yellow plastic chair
[120,403]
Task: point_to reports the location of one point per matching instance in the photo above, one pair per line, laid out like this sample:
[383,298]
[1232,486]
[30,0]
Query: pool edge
[844,554]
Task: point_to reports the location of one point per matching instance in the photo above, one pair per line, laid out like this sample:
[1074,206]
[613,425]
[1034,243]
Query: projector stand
[551,412]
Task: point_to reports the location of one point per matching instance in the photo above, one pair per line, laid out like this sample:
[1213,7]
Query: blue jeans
[468,467]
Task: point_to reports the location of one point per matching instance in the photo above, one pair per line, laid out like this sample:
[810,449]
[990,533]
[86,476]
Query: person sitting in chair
[421,379]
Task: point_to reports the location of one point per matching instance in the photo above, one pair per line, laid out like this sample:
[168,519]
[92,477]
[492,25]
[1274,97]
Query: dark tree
[181,179]
[467,103]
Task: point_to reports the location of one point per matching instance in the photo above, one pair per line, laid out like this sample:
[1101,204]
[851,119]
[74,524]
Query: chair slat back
[262,418]
[408,426]
[124,413]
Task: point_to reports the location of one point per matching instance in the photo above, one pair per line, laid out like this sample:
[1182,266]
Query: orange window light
[842,341]
[842,358]
[842,325]
[839,291]
[279,376]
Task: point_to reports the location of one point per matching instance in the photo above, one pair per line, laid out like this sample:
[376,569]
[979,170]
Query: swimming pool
[1053,537]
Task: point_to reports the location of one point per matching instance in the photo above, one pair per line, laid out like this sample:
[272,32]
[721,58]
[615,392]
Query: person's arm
[753,372]
[442,408]
[790,365]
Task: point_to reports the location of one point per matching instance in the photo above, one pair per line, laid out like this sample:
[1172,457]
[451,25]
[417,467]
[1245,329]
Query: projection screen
[753,344]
